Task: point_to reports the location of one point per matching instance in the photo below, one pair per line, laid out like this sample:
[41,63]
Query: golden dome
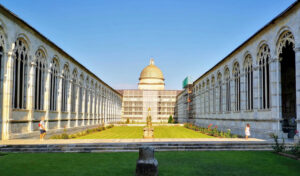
[151,72]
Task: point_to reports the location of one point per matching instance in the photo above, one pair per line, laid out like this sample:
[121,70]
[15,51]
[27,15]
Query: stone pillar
[96,108]
[223,97]
[59,99]
[77,104]
[297,69]
[69,101]
[232,96]
[146,165]
[217,98]
[202,101]
[106,109]
[275,88]
[243,91]
[30,94]
[83,105]
[7,92]
[100,107]
[89,107]
[256,102]
[47,97]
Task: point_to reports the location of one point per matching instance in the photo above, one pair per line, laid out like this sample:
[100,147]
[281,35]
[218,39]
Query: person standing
[247,131]
[42,128]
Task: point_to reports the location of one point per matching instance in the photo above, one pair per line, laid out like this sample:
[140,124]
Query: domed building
[151,94]
[151,78]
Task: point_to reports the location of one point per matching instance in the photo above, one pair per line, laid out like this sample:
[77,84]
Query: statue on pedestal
[149,130]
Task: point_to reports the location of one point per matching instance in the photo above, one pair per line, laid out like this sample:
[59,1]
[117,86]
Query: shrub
[210,131]
[64,136]
[170,120]
[228,133]
[295,150]
[277,147]
[127,121]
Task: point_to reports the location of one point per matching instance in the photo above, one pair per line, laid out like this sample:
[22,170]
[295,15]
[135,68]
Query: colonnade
[39,79]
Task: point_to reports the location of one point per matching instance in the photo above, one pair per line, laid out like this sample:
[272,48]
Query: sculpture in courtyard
[149,130]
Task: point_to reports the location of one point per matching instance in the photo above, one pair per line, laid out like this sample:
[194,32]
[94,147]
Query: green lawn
[125,132]
[231,163]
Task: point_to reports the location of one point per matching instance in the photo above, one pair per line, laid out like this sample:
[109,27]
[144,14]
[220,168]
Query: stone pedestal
[146,165]
[148,133]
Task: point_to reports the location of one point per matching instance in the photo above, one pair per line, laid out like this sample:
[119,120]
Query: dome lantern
[151,78]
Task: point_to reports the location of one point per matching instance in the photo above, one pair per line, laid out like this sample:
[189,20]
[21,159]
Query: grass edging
[289,155]
[64,135]
[211,131]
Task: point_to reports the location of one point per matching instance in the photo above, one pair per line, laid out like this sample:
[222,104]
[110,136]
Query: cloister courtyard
[170,162]
[240,116]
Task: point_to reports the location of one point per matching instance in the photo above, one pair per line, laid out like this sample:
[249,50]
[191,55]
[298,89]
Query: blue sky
[115,39]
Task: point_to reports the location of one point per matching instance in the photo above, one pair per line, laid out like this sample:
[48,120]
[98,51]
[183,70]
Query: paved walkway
[91,141]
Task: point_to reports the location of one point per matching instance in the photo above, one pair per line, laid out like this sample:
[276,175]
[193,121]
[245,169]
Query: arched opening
[54,84]
[288,88]
[39,89]
[2,43]
[20,74]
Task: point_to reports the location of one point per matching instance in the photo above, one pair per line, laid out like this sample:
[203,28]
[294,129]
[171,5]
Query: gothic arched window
[227,82]
[64,88]
[86,96]
[237,88]
[74,90]
[2,44]
[20,74]
[264,76]
[248,68]
[40,72]
[204,97]
[220,92]
[213,94]
[54,84]
[81,80]
[91,97]
[208,95]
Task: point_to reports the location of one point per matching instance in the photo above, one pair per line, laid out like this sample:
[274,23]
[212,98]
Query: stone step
[134,144]
[134,147]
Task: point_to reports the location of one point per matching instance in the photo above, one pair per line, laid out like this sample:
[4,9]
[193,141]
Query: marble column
[256,101]
[59,99]
[275,88]
[47,97]
[84,99]
[89,108]
[30,94]
[297,69]
[77,105]
[243,103]
[69,101]
[232,96]
[9,59]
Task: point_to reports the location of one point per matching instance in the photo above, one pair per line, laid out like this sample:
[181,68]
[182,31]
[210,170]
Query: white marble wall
[262,121]
[18,123]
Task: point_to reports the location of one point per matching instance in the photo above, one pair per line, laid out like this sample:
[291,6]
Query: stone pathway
[91,141]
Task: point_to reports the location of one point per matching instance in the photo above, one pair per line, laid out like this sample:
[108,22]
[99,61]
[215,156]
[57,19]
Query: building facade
[184,108]
[150,94]
[39,79]
[257,83]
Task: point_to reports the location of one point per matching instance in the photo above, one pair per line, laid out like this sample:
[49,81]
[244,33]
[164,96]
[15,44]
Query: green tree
[170,119]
